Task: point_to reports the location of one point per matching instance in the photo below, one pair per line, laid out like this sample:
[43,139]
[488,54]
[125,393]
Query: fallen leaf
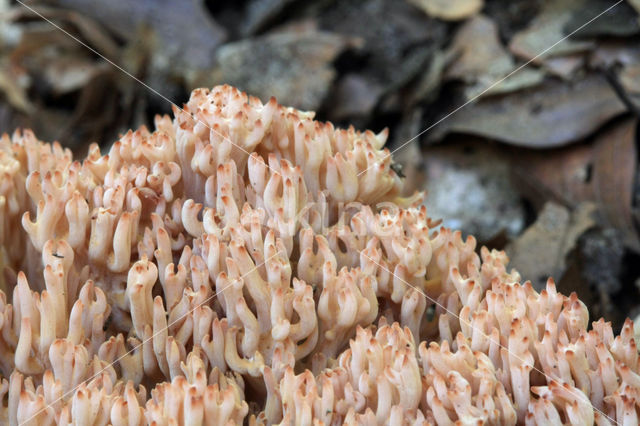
[40,40]
[354,96]
[610,52]
[87,28]
[51,57]
[260,13]
[393,98]
[614,174]
[546,31]
[449,10]
[12,86]
[600,253]
[481,60]
[188,35]
[565,66]
[478,52]
[67,73]
[619,21]
[536,253]
[513,16]
[295,68]
[524,78]
[602,173]
[553,114]
[622,55]
[396,37]
[10,31]
[630,78]
[428,81]
[561,175]
[540,252]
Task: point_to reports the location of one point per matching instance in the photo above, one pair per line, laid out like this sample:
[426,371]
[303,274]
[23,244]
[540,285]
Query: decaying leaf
[188,35]
[565,66]
[354,96]
[482,60]
[524,78]
[546,31]
[630,78]
[13,89]
[621,57]
[614,51]
[299,66]
[51,56]
[552,114]
[39,41]
[70,72]
[428,81]
[619,20]
[562,175]
[396,37]
[87,28]
[602,172]
[449,10]
[259,13]
[614,171]
[478,52]
[541,250]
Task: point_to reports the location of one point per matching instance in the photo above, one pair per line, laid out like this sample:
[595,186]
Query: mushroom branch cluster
[245,263]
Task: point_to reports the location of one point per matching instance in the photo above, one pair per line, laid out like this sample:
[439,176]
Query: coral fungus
[244,262]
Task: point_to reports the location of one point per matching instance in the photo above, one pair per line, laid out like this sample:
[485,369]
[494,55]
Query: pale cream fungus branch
[245,263]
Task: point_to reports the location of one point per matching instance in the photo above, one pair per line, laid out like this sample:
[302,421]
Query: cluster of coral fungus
[245,263]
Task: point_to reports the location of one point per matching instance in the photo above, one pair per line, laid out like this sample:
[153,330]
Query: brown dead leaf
[561,175]
[188,35]
[449,10]
[38,37]
[610,52]
[429,80]
[398,41]
[540,252]
[565,66]
[68,73]
[630,78]
[614,171]
[602,172]
[354,96]
[260,13]
[621,55]
[478,51]
[49,56]
[481,60]
[526,78]
[299,70]
[87,28]
[13,89]
[546,30]
[619,20]
[553,114]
